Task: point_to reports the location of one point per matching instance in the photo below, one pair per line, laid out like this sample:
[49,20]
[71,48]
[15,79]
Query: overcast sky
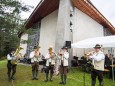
[106,7]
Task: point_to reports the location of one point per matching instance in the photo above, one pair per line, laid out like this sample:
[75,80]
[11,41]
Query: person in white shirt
[11,67]
[98,60]
[64,57]
[34,56]
[50,62]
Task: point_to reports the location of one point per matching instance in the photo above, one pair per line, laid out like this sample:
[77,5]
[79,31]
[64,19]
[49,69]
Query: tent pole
[112,65]
[84,71]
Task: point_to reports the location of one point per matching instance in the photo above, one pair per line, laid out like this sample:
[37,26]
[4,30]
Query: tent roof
[91,42]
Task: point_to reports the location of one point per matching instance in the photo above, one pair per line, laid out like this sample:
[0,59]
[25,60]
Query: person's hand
[90,53]
[36,55]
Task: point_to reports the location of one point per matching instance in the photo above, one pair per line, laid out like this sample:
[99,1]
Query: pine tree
[10,24]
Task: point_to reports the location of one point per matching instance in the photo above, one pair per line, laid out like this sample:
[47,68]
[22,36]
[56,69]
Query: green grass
[23,78]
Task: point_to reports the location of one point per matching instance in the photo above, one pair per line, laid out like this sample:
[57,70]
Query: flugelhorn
[36,54]
[89,53]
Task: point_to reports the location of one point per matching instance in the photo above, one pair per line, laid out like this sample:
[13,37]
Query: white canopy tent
[106,42]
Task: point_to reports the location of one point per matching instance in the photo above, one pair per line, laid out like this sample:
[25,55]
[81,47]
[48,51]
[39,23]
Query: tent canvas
[106,41]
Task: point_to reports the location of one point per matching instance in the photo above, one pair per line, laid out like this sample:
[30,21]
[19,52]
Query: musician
[34,56]
[98,59]
[11,67]
[64,57]
[50,62]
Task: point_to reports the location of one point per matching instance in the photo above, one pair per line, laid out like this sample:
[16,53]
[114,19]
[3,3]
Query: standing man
[98,59]
[64,57]
[50,62]
[11,67]
[34,56]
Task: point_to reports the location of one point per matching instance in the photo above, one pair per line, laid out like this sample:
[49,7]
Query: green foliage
[10,24]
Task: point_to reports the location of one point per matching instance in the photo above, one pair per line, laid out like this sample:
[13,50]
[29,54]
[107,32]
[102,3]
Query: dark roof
[44,8]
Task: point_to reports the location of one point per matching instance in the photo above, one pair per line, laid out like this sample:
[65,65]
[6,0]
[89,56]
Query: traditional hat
[35,47]
[97,46]
[64,47]
[50,48]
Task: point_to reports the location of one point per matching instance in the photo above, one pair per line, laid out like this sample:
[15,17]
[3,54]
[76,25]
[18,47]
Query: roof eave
[88,8]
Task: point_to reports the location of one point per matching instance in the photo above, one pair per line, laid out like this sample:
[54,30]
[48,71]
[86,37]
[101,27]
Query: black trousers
[11,69]
[63,70]
[35,66]
[96,73]
[50,69]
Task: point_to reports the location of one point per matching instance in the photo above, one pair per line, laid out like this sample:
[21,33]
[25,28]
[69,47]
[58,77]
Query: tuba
[17,51]
[15,62]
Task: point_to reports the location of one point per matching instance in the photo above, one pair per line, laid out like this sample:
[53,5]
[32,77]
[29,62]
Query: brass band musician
[98,59]
[50,62]
[11,67]
[64,57]
[12,62]
[34,56]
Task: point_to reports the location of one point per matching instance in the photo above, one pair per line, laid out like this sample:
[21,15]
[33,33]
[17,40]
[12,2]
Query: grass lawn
[23,78]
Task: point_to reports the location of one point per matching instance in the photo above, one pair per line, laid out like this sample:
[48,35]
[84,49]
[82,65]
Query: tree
[10,24]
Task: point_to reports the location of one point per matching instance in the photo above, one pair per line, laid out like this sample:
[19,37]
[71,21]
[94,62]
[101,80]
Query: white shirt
[10,57]
[49,60]
[64,58]
[98,60]
[33,59]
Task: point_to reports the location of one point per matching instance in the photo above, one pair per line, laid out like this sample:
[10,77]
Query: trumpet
[36,54]
[52,55]
[60,53]
[90,53]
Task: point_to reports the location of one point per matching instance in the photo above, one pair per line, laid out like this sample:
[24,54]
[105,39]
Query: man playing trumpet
[64,57]
[50,62]
[98,62]
[34,56]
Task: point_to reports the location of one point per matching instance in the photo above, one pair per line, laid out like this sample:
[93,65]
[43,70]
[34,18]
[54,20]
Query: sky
[106,7]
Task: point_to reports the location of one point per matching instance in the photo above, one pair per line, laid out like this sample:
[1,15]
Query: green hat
[50,48]
[97,46]
[64,47]
[36,47]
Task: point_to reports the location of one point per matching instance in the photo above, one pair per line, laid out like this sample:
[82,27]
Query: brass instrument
[15,62]
[61,53]
[51,55]
[17,51]
[90,53]
[90,62]
[36,54]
